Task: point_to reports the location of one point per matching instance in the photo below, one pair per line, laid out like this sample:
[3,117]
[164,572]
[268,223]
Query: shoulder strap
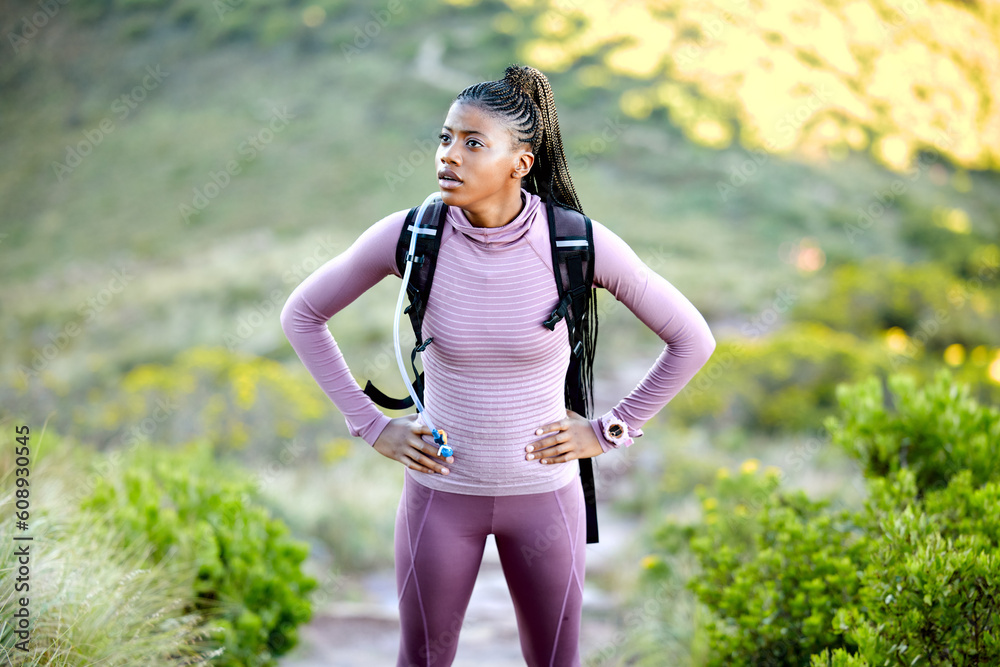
[417,290]
[425,259]
[572,239]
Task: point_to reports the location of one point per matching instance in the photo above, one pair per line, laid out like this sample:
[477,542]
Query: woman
[494,377]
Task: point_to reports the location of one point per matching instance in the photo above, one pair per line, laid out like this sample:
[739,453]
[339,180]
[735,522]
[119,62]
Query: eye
[443,137]
[474,141]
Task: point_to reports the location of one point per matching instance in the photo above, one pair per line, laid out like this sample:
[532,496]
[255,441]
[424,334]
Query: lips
[448,179]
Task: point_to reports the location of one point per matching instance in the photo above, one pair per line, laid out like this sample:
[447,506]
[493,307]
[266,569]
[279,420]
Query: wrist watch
[615,431]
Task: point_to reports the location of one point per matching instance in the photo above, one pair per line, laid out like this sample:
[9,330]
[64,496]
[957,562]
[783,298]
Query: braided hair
[523,101]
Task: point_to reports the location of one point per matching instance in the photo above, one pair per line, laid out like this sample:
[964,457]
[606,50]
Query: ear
[524,159]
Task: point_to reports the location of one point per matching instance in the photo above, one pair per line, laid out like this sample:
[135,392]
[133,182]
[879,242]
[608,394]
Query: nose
[448,156]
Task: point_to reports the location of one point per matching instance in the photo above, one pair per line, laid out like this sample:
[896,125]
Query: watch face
[616,431]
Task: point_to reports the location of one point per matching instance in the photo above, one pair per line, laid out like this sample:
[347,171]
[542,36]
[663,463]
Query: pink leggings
[439,542]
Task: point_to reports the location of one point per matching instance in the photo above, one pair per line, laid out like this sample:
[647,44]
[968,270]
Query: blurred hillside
[119,121]
[818,178]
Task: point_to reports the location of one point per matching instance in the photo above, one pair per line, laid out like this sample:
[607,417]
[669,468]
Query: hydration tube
[440,437]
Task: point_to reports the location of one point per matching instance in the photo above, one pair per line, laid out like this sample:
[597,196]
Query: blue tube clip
[441,439]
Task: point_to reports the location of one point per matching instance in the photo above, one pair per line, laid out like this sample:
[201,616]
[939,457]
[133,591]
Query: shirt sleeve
[661,307]
[325,292]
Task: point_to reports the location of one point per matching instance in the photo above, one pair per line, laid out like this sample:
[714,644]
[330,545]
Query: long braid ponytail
[523,100]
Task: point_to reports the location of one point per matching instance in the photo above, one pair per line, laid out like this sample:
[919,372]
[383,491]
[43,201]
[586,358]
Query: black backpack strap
[572,239]
[417,290]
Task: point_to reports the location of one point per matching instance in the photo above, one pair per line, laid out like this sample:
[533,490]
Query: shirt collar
[498,236]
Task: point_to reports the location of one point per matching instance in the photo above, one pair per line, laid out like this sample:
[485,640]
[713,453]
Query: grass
[91,600]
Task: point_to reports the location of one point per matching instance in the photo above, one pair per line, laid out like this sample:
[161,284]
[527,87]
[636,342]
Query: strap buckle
[558,313]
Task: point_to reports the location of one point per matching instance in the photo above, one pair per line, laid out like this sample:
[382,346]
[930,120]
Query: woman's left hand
[573,438]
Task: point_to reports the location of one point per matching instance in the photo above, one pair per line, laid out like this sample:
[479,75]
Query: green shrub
[928,599]
[912,578]
[190,508]
[930,592]
[95,596]
[838,658]
[775,573]
[935,431]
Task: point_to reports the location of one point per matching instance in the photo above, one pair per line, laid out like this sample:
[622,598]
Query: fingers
[420,429]
[553,449]
[556,454]
[552,440]
[419,458]
[560,425]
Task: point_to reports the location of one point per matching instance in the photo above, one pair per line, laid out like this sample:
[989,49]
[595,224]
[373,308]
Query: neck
[496,213]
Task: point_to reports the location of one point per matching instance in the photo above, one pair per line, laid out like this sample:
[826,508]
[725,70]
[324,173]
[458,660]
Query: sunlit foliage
[895,78]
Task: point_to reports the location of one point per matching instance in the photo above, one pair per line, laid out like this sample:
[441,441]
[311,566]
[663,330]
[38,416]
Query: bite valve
[441,439]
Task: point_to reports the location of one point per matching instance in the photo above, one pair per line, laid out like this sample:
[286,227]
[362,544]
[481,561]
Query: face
[476,148]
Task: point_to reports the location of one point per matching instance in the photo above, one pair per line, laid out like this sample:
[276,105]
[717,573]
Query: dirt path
[366,633]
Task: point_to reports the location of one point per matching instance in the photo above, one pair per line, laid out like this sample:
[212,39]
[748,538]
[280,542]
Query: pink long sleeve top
[494,373]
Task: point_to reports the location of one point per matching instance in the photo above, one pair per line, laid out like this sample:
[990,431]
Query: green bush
[95,596]
[926,598]
[189,508]
[776,567]
[838,658]
[929,594]
[912,578]
[934,431]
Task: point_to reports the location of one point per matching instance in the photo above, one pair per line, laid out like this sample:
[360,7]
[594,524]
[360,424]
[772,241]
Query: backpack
[572,240]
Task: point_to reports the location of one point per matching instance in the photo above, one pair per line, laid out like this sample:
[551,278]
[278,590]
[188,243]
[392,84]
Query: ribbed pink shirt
[494,374]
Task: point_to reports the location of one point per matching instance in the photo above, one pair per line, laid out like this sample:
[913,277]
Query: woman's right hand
[400,441]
